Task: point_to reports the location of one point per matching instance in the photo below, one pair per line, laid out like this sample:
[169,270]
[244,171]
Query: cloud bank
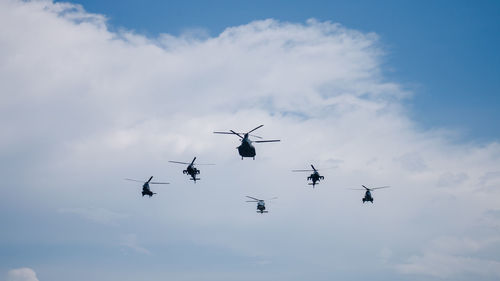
[82,107]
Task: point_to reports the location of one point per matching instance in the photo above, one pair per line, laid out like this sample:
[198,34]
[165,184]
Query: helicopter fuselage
[246,149]
[146,190]
[368,197]
[261,206]
[192,171]
[315,177]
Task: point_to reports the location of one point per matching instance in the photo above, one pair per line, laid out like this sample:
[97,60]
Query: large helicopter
[368,194]
[246,149]
[261,205]
[191,169]
[315,177]
[145,187]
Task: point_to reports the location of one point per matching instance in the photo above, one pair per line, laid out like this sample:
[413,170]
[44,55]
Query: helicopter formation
[247,150]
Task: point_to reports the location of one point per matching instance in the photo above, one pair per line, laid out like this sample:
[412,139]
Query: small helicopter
[261,206]
[246,149]
[145,187]
[315,176]
[368,194]
[191,169]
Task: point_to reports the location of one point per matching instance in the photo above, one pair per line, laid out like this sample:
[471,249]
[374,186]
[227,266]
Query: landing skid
[243,157]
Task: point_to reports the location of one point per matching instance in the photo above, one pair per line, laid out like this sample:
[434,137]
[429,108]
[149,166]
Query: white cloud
[83,107]
[22,274]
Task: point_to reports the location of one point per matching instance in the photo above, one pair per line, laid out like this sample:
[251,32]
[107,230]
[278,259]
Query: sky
[92,93]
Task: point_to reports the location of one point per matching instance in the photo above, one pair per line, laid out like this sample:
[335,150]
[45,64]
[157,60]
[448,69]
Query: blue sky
[445,52]
[397,94]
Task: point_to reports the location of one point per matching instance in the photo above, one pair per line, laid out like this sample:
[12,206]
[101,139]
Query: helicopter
[368,194]
[191,169]
[145,187]
[246,149]
[261,206]
[315,176]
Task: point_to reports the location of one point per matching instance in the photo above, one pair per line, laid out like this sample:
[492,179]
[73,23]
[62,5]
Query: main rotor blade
[254,129]
[252,201]
[267,141]
[365,187]
[236,134]
[302,171]
[356,188]
[177,162]
[379,187]
[205,164]
[192,162]
[255,136]
[150,179]
[313,167]
[253,198]
[154,182]
[229,133]
[272,198]
[135,180]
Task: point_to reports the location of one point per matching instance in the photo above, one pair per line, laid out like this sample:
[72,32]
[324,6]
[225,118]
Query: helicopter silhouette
[261,205]
[368,195]
[246,149]
[146,190]
[315,177]
[191,169]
